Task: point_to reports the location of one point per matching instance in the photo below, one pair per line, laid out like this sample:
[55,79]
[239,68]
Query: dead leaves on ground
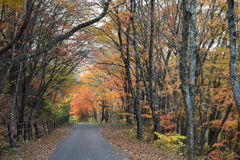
[41,149]
[38,149]
[136,149]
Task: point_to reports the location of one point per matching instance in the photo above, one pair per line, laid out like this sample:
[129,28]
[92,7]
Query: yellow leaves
[170,141]
[146,115]
[14,4]
[238,9]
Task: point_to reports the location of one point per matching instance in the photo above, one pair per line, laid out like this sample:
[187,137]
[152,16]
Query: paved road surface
[85,143]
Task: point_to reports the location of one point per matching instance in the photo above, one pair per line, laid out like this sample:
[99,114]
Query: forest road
[84,143]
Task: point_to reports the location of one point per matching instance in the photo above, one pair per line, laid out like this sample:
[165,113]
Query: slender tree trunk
[153,93]
[13,50]
[127,76]
[94,114]
[184,76]
[15,95]
[25,93]
[137,106]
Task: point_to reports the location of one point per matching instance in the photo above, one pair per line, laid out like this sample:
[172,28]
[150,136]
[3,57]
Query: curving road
[85,143]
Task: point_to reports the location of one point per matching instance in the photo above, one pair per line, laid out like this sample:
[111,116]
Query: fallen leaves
[136,149]
[39,149]
[42,148]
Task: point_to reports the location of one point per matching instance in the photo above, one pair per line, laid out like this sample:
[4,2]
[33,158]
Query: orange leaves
[125,16]
[146,115]
[164,43]
[60,1]
[166,121]
[49,89]
[216,123]
[216,155]
[31,96]
[221,144]
[231,124]
[100,83]
[36,79]
[170,126]
[228,102]
[35,85]
[83,100]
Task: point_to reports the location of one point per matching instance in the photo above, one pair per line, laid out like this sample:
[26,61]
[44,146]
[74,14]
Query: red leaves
[35,85]
[31,96]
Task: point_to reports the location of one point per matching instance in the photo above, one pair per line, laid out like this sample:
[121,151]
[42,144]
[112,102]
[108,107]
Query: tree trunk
[153,90]
[127,76]
[184,76]
[137,106]
[233,59]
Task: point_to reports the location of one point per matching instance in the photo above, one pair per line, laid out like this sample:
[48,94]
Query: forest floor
[123,137]
[115,133]
[38,149]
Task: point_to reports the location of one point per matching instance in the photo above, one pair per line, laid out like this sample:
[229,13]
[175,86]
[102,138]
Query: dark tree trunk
[137,106]
[153,89]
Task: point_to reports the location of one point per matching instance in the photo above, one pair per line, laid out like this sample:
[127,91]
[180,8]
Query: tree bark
[137,106]
[184,76]
[153,90]
[193,48]
[232,48]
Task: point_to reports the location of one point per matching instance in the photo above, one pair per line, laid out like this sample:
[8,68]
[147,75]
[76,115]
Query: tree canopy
[170,66]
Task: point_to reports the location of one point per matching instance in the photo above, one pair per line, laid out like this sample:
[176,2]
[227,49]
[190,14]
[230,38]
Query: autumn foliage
[123,66]
[160,65]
